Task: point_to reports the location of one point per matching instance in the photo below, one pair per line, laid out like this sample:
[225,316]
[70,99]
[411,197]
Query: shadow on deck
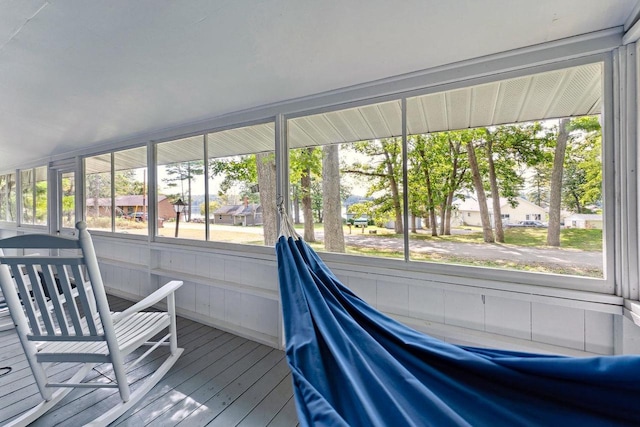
[220,380]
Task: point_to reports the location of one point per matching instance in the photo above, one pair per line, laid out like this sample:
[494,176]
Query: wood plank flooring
[220,380]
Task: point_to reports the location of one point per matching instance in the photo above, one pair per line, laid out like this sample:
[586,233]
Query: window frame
[450,77]
[469,274]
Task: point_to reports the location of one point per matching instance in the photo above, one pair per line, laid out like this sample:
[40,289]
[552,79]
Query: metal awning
[568,92]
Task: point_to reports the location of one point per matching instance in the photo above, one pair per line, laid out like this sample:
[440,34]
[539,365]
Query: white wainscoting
[238,292]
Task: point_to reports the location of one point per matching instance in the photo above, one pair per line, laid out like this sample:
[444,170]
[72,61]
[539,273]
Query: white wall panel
[426,303]
[598,332]
[508,317]
[554,324]
[365,289]
[202,299]
[216,303]
[260,314]
[186,296]
[240,294]
[393,297]
[232,304]
[466,310]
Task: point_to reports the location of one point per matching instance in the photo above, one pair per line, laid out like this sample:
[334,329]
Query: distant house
[468,211]
[245,214]
[128,205]
[589,221]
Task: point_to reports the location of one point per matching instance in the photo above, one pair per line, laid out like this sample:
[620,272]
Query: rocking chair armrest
[150,300]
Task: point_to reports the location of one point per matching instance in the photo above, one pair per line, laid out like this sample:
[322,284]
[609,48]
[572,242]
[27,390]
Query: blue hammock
[354,366]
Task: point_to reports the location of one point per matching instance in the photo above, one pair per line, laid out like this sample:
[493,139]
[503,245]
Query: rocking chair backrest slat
[74,315]
[50,302]
[87,306]
[40,298]
[54,298]
[16,272]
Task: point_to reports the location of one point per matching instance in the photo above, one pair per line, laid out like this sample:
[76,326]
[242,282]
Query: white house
[590,221]
[468,211]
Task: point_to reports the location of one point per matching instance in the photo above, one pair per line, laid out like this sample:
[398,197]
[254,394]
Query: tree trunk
[331,205]
[296,207]
[443,210]
[553,231]
[307,211]
[266,168]
[495,193]
[434,222]
[447,218]
[431,209]
[482,199]
[395,194]
[454,182]
[414,225]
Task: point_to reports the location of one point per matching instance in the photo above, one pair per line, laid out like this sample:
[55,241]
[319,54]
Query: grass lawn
[570,238]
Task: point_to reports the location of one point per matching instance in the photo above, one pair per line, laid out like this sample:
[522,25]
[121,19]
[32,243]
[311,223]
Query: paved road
[486,251]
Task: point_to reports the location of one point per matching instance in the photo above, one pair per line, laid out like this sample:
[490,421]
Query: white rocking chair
[66,318]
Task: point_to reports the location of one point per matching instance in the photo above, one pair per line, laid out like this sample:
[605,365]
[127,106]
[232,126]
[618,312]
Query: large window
[130,191]
[116,196]
[239,173]
[68,199]
[242,185]
[33,184]
[8,197]
[495,177]
[181,172]
[506,174]
[346,179]
[97,191]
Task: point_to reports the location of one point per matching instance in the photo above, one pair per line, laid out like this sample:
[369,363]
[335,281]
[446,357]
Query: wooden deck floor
[220,380]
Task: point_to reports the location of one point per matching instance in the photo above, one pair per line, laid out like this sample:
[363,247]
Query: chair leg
[173,330]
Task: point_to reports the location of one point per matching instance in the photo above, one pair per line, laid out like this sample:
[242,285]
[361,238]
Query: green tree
[178,174]
[509,149]
[250,170]
[7,197]
[126,183]
[438,171]
[68,202]
[540,181]
[427,158]
[555,197]
[332,200]
[582,183]
[383,168]
[98,186]
[305,167]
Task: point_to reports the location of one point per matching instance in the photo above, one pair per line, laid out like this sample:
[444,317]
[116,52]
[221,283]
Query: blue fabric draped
[354,366]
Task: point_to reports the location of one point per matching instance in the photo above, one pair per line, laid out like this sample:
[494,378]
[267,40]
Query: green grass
[452,259]
[570,238]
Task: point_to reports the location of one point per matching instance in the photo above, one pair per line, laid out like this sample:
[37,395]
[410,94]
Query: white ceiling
[77,73]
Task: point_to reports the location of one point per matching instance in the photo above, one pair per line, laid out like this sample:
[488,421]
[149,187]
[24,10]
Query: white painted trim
[611,151]
[633,17]
[217,283]
[632,34]
[630,169]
